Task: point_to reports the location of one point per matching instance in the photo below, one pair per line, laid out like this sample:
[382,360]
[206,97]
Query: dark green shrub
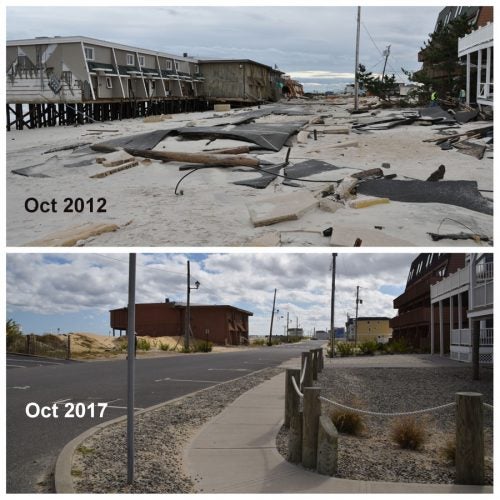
[143,345]
[368,348]
[164,347]
[202,346]
[344,349]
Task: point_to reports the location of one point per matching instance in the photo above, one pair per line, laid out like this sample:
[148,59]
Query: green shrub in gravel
[398,347]
[202,347]
[408,432]
[348,422]
[164,347]
[344,349]
[368,348]
[143,345]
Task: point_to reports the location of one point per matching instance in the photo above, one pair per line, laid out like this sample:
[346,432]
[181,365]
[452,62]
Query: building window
[130,59]
[142,61]
[67,76]
[168,65]
[109,82]
[176,66]
[196,69]
[89,53]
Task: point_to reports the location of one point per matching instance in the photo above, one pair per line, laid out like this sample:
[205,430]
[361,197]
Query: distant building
[221,324]
[468,293]
[296,332]
[325,334]
[413,321]
[368,328]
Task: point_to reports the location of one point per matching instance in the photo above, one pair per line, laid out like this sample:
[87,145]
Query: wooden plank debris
[114,159]
[125,166]
[280,208]
[459,236]
[206,159]
[69,146]
[71,236]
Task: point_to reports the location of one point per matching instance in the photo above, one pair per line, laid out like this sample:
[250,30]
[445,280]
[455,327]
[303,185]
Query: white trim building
[469,289]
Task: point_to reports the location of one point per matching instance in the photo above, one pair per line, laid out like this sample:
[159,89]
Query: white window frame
[142,61]
[91,55]
[168,65]
[176,65]
[130,57]
[109,82]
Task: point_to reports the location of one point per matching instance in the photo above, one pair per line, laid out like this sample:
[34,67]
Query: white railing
[483,294]
[485,91]
[452,282]
[478,38]
[463,337]
[484,271]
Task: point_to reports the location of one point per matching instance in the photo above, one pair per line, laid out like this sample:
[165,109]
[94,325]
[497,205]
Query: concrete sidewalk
[235,453]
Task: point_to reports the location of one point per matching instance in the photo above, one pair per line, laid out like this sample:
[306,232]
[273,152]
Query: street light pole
[287,323]
[130,368]
[356,81]
[188,312]
[332,306]
[356,324]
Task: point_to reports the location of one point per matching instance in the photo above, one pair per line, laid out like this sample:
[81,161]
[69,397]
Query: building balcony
[452,285]
[463,337]
[478,39]
[414,292]
[419,316]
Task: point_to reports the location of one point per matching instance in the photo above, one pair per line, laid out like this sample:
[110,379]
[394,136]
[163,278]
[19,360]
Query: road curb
[62,475]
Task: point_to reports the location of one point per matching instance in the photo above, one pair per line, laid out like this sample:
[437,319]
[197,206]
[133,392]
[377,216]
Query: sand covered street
[137,206]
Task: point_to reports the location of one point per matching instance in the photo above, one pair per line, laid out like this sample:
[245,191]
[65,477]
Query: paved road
[33,444]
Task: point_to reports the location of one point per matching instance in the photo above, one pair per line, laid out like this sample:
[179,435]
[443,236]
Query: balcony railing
[485,91]
[483,294]
[452,282]
[463,337]
[476,39]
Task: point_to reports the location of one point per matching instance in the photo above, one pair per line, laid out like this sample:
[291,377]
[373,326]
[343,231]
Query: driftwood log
[206,159]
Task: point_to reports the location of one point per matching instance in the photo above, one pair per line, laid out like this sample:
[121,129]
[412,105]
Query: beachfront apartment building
[368,328]
[468,292]
[221,324]
[80,69]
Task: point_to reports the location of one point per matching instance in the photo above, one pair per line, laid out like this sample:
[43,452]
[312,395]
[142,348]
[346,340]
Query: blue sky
[73,292]
[315,44]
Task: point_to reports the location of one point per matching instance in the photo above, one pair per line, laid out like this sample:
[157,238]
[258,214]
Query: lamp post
[272,319]
[358,301]
[187,326]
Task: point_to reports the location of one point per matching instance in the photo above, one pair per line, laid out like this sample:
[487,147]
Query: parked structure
[221,324]
[241,80]
[66,80]
[413,322]
[369,328]
[471,287]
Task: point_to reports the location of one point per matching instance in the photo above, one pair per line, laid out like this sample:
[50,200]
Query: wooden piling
[291,397]
[312,412]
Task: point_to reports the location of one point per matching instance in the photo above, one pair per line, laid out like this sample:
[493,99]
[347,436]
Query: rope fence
[296,388]
[303,374]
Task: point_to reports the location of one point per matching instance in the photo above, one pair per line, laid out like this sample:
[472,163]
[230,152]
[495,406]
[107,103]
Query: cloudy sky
[73,292]
[314,44]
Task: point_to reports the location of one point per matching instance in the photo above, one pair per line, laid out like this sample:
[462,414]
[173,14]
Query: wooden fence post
[295,437]
[321,359]
[469,452]
[68,349]
[291,395]
[327,447]
[314,354]
[307,366]
[312,412]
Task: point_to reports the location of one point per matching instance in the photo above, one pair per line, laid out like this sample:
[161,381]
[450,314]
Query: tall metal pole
[130,368]
[356,324]
[473,325]
[356,82]
[188,312]
[272,319]
[332,307]
[287,323]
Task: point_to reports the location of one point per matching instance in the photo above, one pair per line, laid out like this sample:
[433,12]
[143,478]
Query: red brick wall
[485,16]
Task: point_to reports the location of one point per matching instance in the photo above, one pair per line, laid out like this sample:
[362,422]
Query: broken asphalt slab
[459,193]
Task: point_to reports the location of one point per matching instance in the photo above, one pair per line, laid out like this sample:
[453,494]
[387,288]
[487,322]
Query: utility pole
[386,53]
[272,319]
[332,306]
[356,324]
[356,82]
[287,323]
[130,368]
[187,323]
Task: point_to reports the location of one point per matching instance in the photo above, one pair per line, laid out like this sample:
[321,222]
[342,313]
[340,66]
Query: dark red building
[221,324]
[413,322]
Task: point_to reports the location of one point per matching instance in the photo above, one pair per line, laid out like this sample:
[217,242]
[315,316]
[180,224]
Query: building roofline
[183,305]
[251,61]
[42,40]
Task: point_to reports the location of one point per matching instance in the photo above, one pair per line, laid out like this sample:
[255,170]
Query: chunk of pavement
[437,175]
[82,163]
[458,193]
[303,137]
[70,236]
[308,168]
[269,239]
[146,140]
[266,176]
[280,208]
[471,149]
[466,116]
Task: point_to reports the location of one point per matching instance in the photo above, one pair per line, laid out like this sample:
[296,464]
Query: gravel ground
[374,456]
[99,464]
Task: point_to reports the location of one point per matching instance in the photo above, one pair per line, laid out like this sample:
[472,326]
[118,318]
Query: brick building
[221,324]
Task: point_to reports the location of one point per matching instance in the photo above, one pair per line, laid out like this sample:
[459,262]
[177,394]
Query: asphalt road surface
[33,444]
